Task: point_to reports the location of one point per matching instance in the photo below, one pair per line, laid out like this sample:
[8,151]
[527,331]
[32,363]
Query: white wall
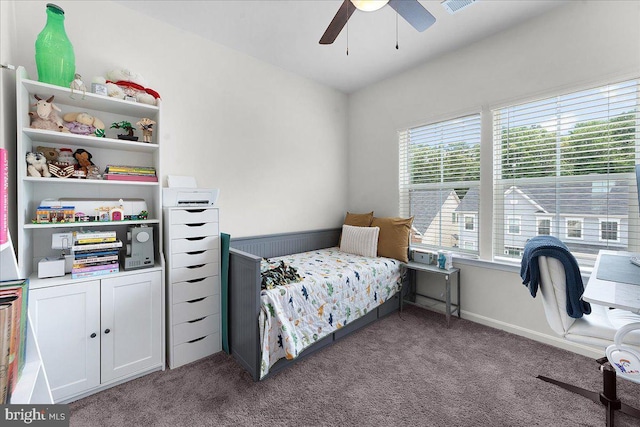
[583,43]
[273,142]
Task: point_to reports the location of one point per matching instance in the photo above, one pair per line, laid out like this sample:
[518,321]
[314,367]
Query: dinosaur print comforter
[336,289]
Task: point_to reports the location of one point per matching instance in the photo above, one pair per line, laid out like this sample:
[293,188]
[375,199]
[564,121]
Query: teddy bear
[84,160]
[83,123]
[37,165]
[49,152]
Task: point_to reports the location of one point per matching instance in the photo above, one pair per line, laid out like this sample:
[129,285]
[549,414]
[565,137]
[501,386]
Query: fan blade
[414,13]
[338,22]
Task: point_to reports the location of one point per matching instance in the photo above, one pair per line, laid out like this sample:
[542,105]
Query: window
[439,182]
[544,227]
[574,229]
[513,225]
[609,230]
[513,251]
[568,160]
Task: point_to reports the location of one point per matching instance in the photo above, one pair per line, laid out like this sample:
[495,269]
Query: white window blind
[565,167]
[439,183]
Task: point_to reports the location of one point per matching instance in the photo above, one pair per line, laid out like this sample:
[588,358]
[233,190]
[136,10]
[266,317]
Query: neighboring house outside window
[574,228]
[513,251]
[609,230]
[469,222]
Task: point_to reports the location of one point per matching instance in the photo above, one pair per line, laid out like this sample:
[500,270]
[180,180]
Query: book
[80,275]
[130,168]
[4,195]
[20,287]
[139,178]
[80,262]
[108,266]
[12,299]
[5,341]
[96,246]
[96,240]
[94,254]
[92,234]
[131,172]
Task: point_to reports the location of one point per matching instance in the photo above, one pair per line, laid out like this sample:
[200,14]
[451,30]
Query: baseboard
[534,335]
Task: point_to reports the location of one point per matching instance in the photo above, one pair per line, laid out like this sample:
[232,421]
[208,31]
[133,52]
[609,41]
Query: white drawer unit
[192,250]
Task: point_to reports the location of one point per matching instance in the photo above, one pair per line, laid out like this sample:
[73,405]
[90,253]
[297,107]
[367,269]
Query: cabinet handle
[195,210]
[200,224]
[195,253]
[196,320]
[196,266]
[196,300]
[196,340]
[196,280]
[106,331]
[193,239]
[93,335]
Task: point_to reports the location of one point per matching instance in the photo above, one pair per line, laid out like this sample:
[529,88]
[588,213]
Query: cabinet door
[131,316]
[66,322]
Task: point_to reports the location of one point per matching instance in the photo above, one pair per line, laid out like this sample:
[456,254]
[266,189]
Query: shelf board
[66,139]
[91,101]
[91,224]
[36,283]
[82,181]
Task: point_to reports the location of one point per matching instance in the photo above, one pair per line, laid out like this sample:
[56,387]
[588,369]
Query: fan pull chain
[347,38]
[397,31]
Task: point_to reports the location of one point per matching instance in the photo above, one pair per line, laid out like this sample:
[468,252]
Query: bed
[339,293]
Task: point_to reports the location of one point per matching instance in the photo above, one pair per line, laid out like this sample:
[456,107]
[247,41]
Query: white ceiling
[285,33]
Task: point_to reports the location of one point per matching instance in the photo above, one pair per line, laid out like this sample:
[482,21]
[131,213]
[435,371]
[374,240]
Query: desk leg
[447,291]
[458,277]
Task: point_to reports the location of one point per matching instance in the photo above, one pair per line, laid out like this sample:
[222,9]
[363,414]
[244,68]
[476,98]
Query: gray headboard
[274,245]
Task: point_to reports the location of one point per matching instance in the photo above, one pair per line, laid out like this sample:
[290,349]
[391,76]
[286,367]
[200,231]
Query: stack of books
[13,334]
[95,253]
[130,173]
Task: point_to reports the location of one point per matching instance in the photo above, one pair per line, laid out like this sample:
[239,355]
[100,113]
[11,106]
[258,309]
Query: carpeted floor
[407,370]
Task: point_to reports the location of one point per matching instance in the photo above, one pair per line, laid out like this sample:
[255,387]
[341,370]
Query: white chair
[612,330]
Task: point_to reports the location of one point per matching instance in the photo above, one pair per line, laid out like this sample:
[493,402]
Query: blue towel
[552,247]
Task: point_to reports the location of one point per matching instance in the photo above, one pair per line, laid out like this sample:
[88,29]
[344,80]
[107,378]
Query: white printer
[183,191]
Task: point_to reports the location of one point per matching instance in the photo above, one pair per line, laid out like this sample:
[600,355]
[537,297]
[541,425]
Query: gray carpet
[407,370]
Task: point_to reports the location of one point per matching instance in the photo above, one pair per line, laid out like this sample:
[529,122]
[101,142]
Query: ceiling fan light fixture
[369,5]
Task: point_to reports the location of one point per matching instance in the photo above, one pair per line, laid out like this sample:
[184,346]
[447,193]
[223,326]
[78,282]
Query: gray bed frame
[244,294]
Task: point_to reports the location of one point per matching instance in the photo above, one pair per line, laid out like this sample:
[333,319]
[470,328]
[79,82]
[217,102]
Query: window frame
[600,230]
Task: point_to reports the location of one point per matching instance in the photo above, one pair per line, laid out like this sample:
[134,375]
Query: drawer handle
[93,335]
[200,224]
[196,266]
[196,300]
[193,239]
[196,340]
[196,320]
[195,210]
[106,331]
[195,253]
[196,280]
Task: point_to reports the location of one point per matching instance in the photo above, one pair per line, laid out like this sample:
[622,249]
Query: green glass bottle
[55,59]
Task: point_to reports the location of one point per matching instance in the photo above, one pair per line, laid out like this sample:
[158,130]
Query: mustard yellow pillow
[393,240]
[358,220]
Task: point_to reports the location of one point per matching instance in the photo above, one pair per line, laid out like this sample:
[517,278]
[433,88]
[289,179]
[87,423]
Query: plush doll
[122,82]
[84,159]
[49,152]
[46,117]
[83,123]
[37,165]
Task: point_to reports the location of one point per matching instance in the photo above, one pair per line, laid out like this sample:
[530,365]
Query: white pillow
[360,240]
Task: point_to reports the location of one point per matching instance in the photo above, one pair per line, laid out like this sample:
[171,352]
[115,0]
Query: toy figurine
[78,84]
[146,126]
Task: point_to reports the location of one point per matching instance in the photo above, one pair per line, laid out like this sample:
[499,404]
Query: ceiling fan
[411,10]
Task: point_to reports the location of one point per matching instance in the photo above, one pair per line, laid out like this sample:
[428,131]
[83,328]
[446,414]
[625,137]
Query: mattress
[336,289]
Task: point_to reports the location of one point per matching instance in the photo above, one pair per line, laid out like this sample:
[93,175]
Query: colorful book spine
[96,246]
[4,196]
[92,254]
[94,259]
[108,266]
[96,240]
[131,168]
[138,178]
[5,343]
[80,275]
[21,288]
[93,234]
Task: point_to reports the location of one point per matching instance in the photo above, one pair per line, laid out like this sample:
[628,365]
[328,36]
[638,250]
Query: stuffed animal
[45,116]
[84,159]
[37,165]
[49,152]
[122,82]
[82,123]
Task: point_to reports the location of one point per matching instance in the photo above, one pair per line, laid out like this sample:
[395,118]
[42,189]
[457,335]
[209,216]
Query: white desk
[625,296]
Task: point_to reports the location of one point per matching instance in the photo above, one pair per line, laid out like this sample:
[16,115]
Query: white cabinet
[98,332]
[192,247]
